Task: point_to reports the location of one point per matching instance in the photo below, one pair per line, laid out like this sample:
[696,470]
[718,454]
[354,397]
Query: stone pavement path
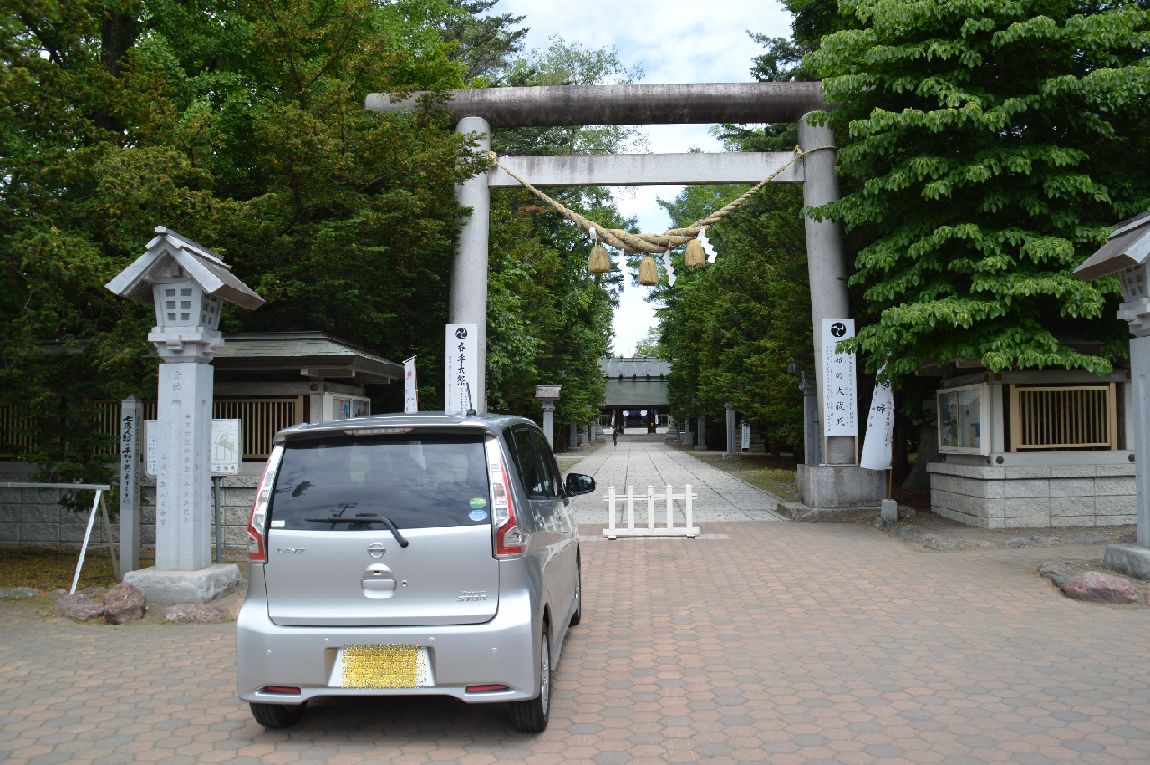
[642,461]
[777,643]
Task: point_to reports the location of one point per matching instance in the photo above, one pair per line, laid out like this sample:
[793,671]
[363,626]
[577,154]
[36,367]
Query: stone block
[1073,471]
[237,516]
[1104,487]
[73,533]
[994,489]
[199,586]
[978,472]
[9,533]
[10,497]
[1124,505]
[148,535]
[10,513]
[1025,512]
[833,486]
[1070,507]
[1131,560]
[239,497]
[1071,487]
[1125,469]
[1028,488]
[41,514]
[1115,520]
[40,533]
[1020,472]
[1066,521]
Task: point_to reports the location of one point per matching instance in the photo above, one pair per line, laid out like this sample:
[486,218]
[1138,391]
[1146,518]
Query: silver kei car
[423,554]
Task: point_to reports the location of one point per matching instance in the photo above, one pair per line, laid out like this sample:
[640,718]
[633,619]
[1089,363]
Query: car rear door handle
[378,577]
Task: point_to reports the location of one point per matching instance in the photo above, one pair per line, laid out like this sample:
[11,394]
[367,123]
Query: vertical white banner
[410,387]
[840,392]
[460,367]
[876,449]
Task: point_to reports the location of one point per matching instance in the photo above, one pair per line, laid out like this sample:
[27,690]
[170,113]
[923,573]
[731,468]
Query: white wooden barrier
[650,530]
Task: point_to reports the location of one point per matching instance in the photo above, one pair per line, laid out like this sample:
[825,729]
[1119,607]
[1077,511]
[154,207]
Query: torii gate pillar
[469,273]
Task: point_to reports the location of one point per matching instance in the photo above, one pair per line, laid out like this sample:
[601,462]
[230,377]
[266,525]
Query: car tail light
[509,542]
[288,690]
[486,688]
[257,525]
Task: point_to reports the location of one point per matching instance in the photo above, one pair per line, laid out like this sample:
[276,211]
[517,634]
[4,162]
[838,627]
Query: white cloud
[674,41]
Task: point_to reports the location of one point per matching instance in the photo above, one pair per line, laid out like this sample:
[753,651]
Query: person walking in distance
[614,435]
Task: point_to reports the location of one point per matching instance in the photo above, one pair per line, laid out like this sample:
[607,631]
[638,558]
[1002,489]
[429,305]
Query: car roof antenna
[470,403]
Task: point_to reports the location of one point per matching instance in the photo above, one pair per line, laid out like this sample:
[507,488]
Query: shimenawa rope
[652,243]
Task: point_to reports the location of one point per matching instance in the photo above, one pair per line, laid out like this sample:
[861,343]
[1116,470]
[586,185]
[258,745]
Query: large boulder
[124,603]
[1097,587]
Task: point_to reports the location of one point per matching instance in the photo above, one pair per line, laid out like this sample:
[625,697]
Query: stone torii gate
[838,482]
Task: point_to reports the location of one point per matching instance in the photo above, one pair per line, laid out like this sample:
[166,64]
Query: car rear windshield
[416,481]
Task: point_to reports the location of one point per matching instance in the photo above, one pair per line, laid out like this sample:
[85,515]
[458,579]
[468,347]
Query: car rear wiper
[365,518]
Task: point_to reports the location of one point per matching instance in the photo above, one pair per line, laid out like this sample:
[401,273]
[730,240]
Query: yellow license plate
[380,666]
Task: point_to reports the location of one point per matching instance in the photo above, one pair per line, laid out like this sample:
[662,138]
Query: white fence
[668,499]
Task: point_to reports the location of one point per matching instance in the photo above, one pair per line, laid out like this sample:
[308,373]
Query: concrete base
[797,511]
[833,486]
[1132,560]
[200,586]
[889,512]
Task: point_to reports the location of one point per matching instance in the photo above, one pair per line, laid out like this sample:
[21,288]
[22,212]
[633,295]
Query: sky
[674,41]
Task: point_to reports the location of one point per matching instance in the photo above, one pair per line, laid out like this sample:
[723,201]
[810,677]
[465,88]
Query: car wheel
[277,715]
[578,615]
[531,716]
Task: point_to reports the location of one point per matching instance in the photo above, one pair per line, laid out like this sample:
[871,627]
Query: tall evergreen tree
[989,146]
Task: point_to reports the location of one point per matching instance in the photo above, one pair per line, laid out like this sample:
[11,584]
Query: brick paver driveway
[762,642]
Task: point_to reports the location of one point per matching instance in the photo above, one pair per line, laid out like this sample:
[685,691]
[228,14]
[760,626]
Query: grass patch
[774,475]
[52,568]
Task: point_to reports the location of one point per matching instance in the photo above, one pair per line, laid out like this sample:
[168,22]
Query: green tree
[988,147]
[731,327]
[241,126]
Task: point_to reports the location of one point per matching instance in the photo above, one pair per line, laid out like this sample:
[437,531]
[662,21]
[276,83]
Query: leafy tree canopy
[242,126]
[988,147]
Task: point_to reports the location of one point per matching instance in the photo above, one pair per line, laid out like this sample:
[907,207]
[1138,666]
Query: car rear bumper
[499,652]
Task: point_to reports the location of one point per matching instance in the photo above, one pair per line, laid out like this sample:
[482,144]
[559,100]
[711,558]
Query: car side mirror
[577,483]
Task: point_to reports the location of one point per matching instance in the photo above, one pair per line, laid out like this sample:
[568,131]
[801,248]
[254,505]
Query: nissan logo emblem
[375,549]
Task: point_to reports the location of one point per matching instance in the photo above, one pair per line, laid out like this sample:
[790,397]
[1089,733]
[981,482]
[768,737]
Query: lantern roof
[1127,247]
[199,264]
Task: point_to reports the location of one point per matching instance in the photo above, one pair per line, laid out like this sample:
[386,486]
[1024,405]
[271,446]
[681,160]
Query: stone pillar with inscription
[187,284]
[131,424]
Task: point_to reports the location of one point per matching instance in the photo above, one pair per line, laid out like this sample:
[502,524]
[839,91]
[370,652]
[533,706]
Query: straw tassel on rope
[648,272]
[598,262]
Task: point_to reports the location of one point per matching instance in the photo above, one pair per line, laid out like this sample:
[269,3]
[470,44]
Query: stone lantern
[1127,253]
[548,395]
[187,284]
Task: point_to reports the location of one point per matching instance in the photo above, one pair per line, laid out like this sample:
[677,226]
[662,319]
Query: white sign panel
[410,387]
[461,371]
[746,436]
[227,448]
[840,394]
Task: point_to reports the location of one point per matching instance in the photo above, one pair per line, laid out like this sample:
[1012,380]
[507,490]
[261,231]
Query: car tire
[532,716]
[277,715]
[578,615]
